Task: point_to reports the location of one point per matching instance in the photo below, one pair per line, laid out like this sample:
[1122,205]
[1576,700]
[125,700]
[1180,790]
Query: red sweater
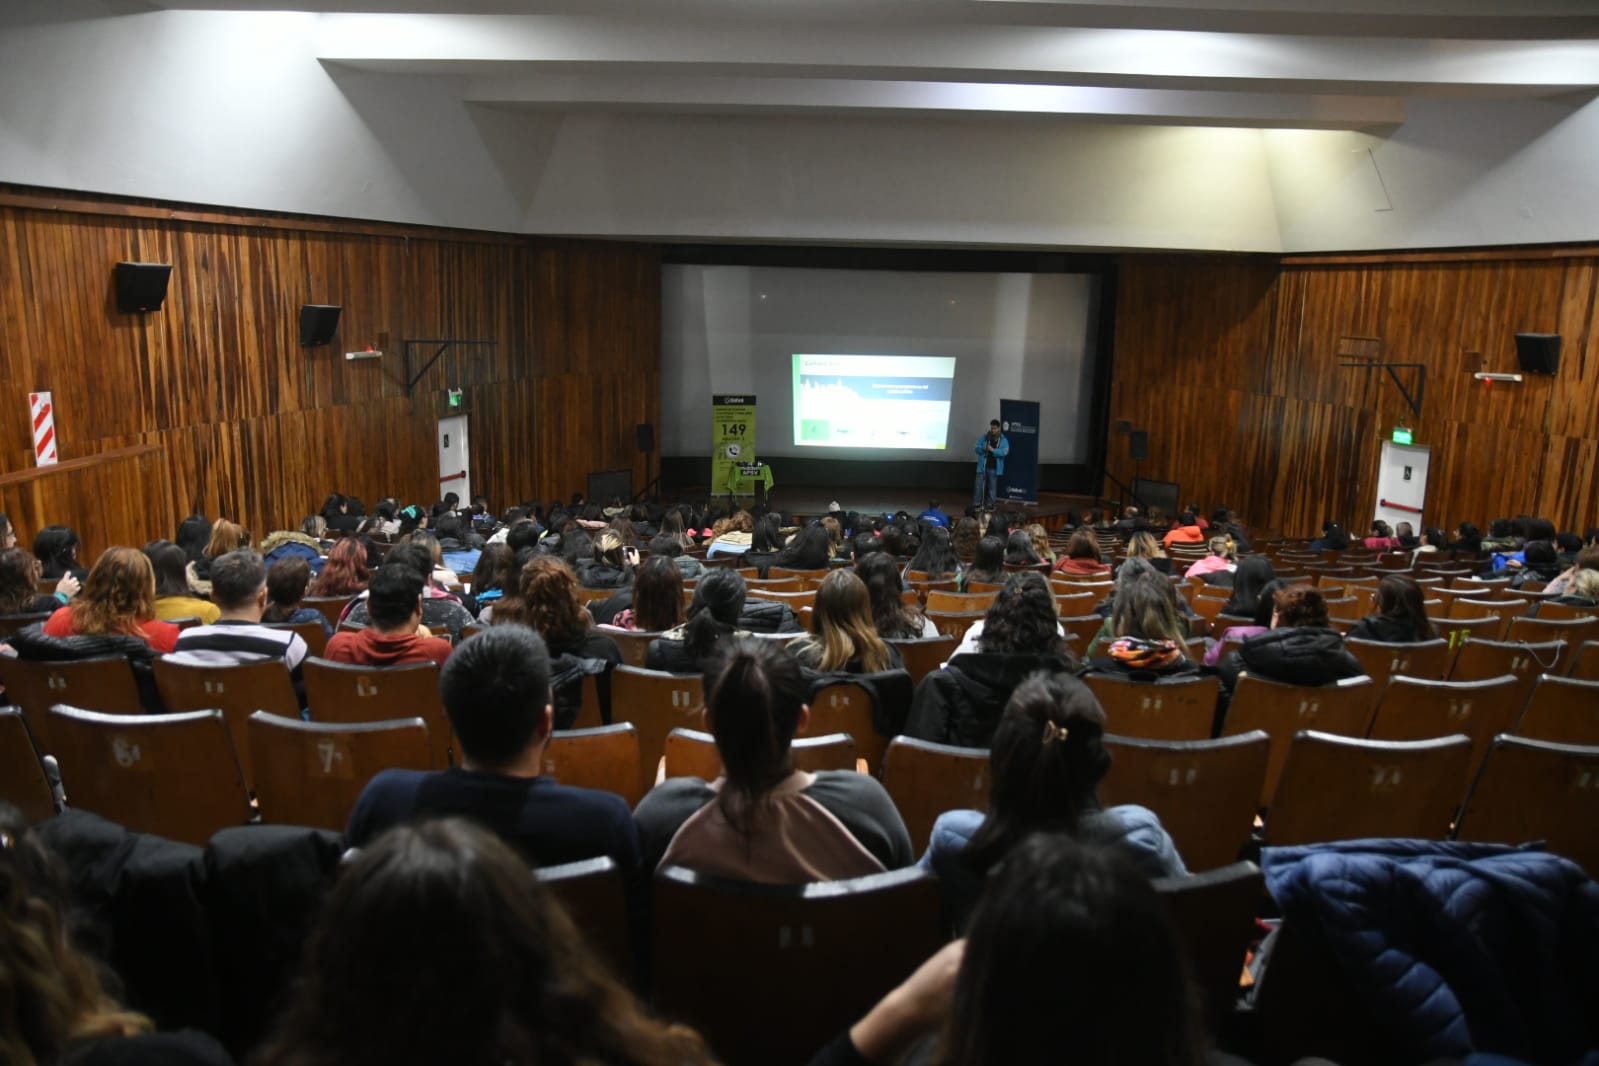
[368,647]
[162,636]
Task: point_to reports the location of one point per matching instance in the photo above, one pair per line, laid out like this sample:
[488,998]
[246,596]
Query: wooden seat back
[960,602]
[850,708]
[926,779]
[1561,710]
[954,624]
[1340,788]
[104,684]
[858,939]
[22,780]
[1541,629]
[311,773]
[1417,710]
[1204,791]
[1081,628]
[656,703]
[795,600]
[593,892]
[1482,659]
[12,623]
[692,753]
[1427,659]
[315,637]
[634,643]
[1536,790]
[606,757]
[1550,611]
[1459,630]
[1584,663]
[923,655]
[1282,711]
[174,775]
[1214,915]
[1174,710]
[808,579]
[344,692]
[237,690]
[332,607]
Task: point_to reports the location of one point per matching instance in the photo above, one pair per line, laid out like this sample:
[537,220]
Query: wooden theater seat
[1418,710]
[1427,659]
[104,684]
[926,779]
[1534,790]
[344,692]
[846,707]
[1281,711]
[656,703]
[605,758]
[1562,710]
[23,783]
[1214,914]
[593,892]
[237,690]
[1171,710]
[311,773]
[924,655]
[691,753]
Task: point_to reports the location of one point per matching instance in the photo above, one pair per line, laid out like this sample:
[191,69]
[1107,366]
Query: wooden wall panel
[1234,367]
[250,425]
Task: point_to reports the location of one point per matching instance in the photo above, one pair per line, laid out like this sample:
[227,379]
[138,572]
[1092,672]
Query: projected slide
[872,401]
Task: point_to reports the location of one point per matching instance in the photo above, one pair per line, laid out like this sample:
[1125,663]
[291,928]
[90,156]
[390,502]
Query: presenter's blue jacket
[1000,452]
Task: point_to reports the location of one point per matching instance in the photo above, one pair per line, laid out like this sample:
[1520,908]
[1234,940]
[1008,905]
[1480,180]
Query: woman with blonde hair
[1222,557]
[225,537]
[843,636]
[118,598]
[1040,538]
[1145,546]
[614,560]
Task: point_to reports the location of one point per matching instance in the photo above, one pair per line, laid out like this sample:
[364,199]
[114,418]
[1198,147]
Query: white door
[1402,484]
[455,459]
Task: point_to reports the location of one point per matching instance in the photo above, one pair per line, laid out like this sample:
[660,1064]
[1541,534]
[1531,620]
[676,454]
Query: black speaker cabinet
[1539,352]
[1140,443]
[141,286]
[646,437]
[318,323]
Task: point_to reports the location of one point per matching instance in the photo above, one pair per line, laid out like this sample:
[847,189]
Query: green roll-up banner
[732,437]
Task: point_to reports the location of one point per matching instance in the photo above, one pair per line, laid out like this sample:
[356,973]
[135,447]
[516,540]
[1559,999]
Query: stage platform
[1050,511]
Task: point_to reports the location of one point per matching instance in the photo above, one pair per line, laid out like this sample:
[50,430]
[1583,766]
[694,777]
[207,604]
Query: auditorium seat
[11,623]
[1584,662]
[1069,604]
[174,775]
[1426,659]
[1413,709]
[634,643]
[954,623]
[606,758]
[1170,710]
[808,579]
[1563,710]
[1282,711]
[1205,792]
[656,703]
[1340,788]
[960,602]
[311,773]
[593,892]
[236,690]
[924,655]
[1458,630]
[1482,659]
[795,600]
[332,607]
[1214,915]
[783,584]
[846,707]
[470,631]
[22,779]
[1541,629]
[345,692]
[926,779]
[1534,790]
[1083,627]
[768,974]
[106,685]
[1554,612]
[315,637]
[691,753]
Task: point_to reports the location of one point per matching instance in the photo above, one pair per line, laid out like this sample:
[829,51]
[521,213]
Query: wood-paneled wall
[251,425]
[1232,364]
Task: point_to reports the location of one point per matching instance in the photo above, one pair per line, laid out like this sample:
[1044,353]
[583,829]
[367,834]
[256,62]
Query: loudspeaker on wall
[1539,353]
[141,286]
[646,437]
[318,323]
[1140,443]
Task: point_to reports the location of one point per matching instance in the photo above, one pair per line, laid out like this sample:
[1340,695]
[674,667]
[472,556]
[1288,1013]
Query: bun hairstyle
[713,612]
[1046,761]
[753,697]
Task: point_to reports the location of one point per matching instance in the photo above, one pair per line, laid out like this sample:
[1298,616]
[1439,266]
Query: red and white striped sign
[44,427]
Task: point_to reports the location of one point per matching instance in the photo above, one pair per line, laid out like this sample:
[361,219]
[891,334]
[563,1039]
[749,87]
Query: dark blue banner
[1019,422]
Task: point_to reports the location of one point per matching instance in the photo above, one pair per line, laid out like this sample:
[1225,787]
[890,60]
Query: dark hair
[1023,618]
[443,920]
[345,572]
[989,562]
[965,537]
[893,617]
[416,556]
[393,594]
[576,546]
[1083,545]
[658,594]
[1401,598]
[547,591]
[713,612]
[286,581]
[1019,548]
[332,506]
[1071,938]
[1334,537]
[411,517]
[1300,605]
[1143,609]
[236,577]
[810,549]
[452,526]
[664,544]
[56,548]
[495,569]
[17,588]
[1250,579]
[753,695]
[1568,543]
[936,556]
[171,568]
[1540,555]
[495,687]
[1434,536]
[1046,761]
[524,534]
[194,533]
[1470,536]
[1266,603]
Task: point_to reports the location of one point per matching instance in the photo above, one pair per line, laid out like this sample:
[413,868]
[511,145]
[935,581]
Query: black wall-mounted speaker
[141,286]
[1139,442]
[1539,352]
[646,437]
[318,323]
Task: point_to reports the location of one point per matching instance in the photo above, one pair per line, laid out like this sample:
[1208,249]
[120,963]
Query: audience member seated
[226,536]
[843,637]
[239,589]
[495,574]
[287,580]
[1186,531]
[763,820]
[1254,573]
[1333,538]
[1046,763]
[1039,536]
[1143,637]
[613,563]
[961,702]
[344,573]
[765,542]
[1468,538]
[336,513]
[655,602]
[1221,557]
[57,1007]
[286,544]
[1137,570]
[893,617]
[1582,588]
[1300,648]
[934,516]
[968,534]
[1260,620]
[1070,946]
[936,557]
[1082,555]
[809,549]
[440,610]
[1019,549]
[1540,562]
[456,545]
[496,692]
[56,548]
[733,535]
[1382,538]
[440,575]
[1144,546]
[1401,616]
[393,633]
[987,566]
[547,602]
[19,583]
[173,597]
[1225,523]
[1405,534]
[193,534]
[117,598]
[713,617]
[670,547]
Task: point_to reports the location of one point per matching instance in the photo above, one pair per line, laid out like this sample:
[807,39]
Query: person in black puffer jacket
[1299,649]
[1401,616]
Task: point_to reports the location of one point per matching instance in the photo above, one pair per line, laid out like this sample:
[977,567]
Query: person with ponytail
[843,636]
[762,819]
[1046,761]
[712,618]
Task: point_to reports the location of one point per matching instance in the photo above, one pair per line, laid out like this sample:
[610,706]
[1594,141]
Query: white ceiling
[1245,63]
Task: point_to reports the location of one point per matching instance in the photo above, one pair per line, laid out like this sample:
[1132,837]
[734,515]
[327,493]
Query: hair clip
[1053,732]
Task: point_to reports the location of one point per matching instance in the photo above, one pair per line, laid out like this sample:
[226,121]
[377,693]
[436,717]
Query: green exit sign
[455,401]
[1402,435]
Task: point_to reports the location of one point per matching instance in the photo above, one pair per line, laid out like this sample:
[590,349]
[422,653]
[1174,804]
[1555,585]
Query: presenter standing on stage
[991,449]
